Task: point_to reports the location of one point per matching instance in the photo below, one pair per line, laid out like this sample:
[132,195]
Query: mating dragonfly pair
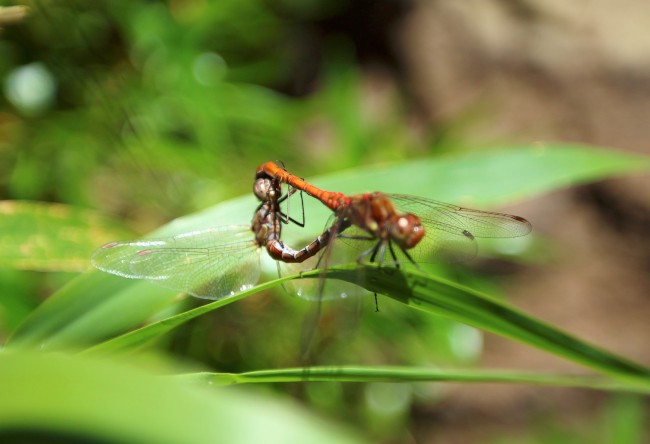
[386,228]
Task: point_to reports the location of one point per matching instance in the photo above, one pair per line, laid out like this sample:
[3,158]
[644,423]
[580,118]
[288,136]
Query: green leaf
[444,298]
[97,306]
[408,374]
[440,297]
[43,236]
[110,401]
[144,335]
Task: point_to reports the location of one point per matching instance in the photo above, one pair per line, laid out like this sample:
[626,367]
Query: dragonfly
[392,228]
[212,263]
[219,262]
[406,228]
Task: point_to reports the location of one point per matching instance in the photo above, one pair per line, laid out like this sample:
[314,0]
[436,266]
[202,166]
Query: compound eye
[262,188]
[408,230]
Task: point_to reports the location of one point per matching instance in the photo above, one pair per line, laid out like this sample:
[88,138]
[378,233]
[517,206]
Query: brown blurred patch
[554,71]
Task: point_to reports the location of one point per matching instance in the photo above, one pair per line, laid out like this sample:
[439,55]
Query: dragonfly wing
[442,244]
[209,264]
[317,289]
[441,216]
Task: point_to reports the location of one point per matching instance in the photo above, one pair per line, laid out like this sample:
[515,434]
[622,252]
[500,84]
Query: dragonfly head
[266,189]
[406,230]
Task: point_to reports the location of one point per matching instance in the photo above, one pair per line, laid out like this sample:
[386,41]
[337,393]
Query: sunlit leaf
[50,237]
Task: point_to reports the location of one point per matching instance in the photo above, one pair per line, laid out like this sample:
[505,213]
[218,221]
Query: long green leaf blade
[438,296]
[410,374]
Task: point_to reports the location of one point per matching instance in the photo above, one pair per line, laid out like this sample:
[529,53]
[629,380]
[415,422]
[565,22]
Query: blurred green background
[135,113]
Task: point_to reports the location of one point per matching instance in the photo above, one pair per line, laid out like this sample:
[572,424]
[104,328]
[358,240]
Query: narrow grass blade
[410,374]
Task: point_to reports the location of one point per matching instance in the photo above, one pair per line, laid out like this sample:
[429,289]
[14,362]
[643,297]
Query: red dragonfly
[408,228]
[222,261]
[421,229]
[213,263]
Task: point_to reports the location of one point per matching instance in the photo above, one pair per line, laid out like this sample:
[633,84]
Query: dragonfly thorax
[376,214]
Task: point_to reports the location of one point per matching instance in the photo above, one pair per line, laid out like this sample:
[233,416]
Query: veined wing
[436,215]
[210,264]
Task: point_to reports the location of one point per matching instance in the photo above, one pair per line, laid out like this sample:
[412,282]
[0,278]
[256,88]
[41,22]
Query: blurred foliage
[143,111]
[121,411]
[158,109]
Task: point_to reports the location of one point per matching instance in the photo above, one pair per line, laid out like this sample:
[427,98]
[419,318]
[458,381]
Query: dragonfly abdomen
[280,251]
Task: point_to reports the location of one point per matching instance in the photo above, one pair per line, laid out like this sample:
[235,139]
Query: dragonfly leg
[392,254]
[408,256]
[285,218]
[382,253]
[371,252]
[302,205]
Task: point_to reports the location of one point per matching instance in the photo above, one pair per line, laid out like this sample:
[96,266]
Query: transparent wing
[450,230]
[321,289]
[440,216]
[210,264]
